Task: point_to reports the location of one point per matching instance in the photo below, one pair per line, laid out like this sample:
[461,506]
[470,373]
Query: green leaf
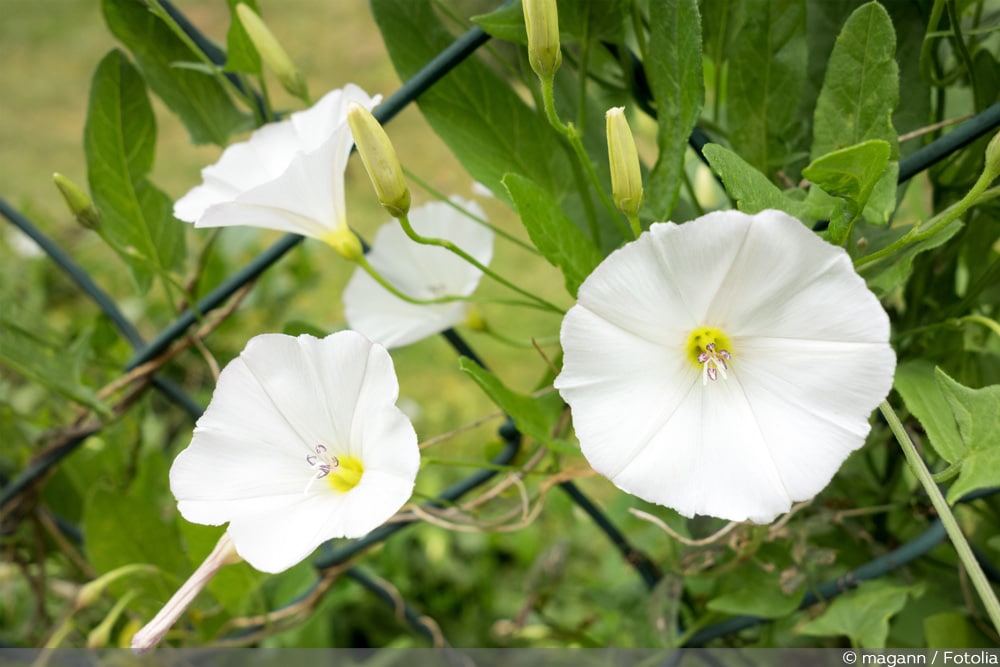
[534,417]
[123,528]
[241,55]
[676,81]
[884,276]
[977,413]
[200,101]
[916,381]
[861,87]
[555,235]
[483,121]
[759,595]
[28,347]
[767,72]
[954,630]
[849,174]
[863,614]
[119,141]
[505,22]
[751,189]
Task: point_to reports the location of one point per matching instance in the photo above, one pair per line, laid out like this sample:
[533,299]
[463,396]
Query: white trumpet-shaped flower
[302,442]
[726,366]
[421,272]
[287,176]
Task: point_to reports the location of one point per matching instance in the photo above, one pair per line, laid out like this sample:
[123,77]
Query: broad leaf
[241,56]
[120,140]
[199,100]
[916,381]
[555,235]
[861,87]
[752,190]
[863,614]
[124,528]
[760,595]
[977,413]
[675,78]
[534,417]
[849,174]
[477,114]
[767,71]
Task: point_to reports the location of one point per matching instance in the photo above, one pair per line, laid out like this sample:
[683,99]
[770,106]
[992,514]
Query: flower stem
[404,221]
[150,635]
[573,137]
[935,224]
[979,581]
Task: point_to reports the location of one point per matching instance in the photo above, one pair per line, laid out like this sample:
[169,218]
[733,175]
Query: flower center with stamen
[342,473]
[710,349]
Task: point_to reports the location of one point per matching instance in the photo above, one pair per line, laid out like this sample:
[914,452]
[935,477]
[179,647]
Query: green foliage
[750,188]
[863,615]
[241,56]
[850,174]
[120,141]
[767,74]
[555,235]
[199,100]
[31,349]
[677,84]
[507,137]
[533,417]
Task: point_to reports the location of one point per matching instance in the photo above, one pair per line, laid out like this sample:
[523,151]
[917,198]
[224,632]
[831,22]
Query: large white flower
[302,442]
[419,271]
[287,176]
[726,366]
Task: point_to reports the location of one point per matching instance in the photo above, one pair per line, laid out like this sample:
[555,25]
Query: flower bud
[92,590]
[79,203]
[272,53]
[993,156]
[380,160]
[345,242]
[626,176]
[541,20]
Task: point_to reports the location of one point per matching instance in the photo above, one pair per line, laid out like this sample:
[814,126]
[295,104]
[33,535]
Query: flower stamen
[710,348]
[713,362]
[322,462]
[342,473]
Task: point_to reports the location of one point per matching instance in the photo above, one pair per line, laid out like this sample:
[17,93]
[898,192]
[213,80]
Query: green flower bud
[541,19]
[380,160]
[626,176]
[993,156]
[78,202]
[272,53]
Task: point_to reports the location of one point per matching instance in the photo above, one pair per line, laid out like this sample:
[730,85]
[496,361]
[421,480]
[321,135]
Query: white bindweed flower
[287,176]
[726,366]
[419,271]
[302,442]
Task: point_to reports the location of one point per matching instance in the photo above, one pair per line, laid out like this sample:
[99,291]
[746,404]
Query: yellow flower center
[346,475]
[342,473]
[710,349]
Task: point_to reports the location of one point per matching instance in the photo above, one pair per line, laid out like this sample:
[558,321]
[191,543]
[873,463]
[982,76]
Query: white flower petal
[287,176]
[421,271]
[809,362]
[247,462]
